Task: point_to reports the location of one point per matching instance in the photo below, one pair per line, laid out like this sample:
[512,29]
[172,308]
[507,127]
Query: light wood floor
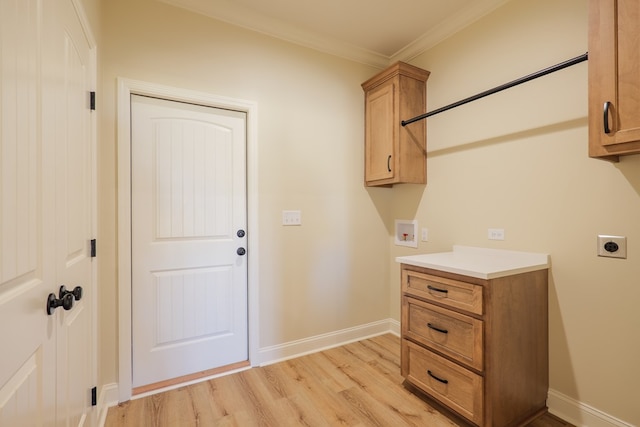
[358,384]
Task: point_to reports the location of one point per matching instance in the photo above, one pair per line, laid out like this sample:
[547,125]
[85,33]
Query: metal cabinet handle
[607,105]
[435,328]
[431,288]
[389,163]
[437,379]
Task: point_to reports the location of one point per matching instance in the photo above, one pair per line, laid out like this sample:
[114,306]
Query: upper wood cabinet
[614,78]
[395,154]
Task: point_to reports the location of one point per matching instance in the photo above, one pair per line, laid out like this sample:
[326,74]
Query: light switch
[291,218]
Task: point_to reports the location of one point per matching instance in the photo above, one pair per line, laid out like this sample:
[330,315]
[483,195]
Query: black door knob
[240,233]
[65,302]
[76,292]
[241,251]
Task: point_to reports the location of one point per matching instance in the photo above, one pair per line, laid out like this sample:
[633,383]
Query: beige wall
[329,274]
[518,160]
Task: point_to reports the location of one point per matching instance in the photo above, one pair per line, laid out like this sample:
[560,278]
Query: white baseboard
[278,353]
[108,398]
[580,414]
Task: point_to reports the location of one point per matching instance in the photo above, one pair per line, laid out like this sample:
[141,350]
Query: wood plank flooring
[358,384]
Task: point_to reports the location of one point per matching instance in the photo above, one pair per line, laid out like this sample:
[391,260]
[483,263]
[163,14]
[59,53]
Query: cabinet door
[614,77]
[380,134]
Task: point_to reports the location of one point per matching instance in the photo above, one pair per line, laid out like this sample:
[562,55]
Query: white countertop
[482,263]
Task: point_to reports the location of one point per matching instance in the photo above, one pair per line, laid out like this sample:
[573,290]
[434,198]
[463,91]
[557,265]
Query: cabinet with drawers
[478,346]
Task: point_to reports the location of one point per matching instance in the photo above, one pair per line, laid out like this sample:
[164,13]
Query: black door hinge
[94,396]
[92,100]
[93,248]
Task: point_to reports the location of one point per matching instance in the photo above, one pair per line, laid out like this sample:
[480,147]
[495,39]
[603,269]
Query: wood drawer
[451,333]
[449,292]
[459,389]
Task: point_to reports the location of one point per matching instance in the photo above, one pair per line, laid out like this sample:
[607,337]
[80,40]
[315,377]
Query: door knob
[65,302]
[76,292]
[241,251]
[240,233]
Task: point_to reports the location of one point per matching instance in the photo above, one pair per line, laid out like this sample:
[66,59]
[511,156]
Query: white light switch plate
[291,218]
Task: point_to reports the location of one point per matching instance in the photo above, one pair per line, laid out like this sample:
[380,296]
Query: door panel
[27,367]
[44,213]
[73,214]
[189,285]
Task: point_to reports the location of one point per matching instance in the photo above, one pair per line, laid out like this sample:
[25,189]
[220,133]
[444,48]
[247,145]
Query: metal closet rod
[552,69]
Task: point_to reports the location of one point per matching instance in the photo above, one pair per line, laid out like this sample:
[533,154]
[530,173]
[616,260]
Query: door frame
[126,88]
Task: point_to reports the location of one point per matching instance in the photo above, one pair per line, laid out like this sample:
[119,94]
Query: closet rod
[511,84]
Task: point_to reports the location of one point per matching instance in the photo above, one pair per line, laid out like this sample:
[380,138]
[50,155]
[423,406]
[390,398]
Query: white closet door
[27,358]
[68,102]
[189,275]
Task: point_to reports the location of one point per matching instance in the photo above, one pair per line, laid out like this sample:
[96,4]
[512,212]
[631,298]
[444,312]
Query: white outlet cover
[612,246]
[495,233]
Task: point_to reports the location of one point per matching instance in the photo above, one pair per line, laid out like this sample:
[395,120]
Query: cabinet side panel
[412,139]
[516,350]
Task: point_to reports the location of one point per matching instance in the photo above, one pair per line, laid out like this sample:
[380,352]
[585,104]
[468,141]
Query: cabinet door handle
[437,379]
[431,288]
[607,105]
[389,163]
[435,328]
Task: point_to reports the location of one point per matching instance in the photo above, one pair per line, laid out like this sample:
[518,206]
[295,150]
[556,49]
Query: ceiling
[375,32]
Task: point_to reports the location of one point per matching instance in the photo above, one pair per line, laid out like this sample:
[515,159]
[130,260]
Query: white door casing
[127,88]
[189,284]
[46,146]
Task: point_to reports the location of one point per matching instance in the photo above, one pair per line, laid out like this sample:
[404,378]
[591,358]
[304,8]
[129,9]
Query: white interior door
[189,272]
[45,214]
[71,130]
[27,270]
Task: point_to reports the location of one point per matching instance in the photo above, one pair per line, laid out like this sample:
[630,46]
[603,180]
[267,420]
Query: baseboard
[290,350]
[108,397]
[580,414]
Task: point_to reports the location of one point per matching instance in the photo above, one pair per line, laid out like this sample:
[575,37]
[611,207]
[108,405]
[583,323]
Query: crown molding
[242,16]
[446,29]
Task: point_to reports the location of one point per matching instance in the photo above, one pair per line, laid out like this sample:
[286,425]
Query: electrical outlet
[425,234]
[612,246]
[291,218]
[495,234]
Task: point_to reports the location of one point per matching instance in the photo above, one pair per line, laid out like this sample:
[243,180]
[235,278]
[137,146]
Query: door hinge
[92,100]
[94,396]
[93,248]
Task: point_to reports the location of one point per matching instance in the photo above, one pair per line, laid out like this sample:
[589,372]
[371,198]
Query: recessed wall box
[406,233]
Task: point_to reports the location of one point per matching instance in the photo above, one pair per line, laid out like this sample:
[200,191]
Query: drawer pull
[437,379]
[607,129]
[431,288]
[435,328]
